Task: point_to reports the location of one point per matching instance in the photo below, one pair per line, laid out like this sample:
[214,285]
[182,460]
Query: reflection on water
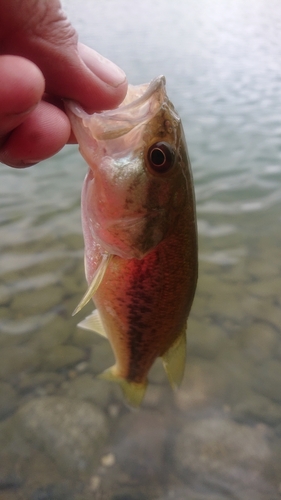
[63,432]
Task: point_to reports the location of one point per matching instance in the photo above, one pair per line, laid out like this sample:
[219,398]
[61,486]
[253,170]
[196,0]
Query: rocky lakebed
[66,434]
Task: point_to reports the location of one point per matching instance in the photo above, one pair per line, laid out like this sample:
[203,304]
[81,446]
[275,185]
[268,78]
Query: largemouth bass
[139,226]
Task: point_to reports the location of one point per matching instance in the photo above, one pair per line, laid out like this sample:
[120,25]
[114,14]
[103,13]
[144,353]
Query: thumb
[44,35]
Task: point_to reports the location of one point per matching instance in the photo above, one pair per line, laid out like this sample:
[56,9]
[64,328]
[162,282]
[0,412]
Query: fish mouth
[138,95]
[142,102]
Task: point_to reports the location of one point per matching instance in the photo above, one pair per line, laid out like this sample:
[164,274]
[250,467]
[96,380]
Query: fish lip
[150,88]
[140,105]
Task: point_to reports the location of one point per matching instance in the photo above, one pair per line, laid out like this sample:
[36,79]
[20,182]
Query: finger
[48,39]
[21,87]
[90,79]
[106,71]
[43,133]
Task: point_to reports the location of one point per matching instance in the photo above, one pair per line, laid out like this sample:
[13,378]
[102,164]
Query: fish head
[136,184]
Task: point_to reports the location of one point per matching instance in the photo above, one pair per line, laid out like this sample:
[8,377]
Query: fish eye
[161,157]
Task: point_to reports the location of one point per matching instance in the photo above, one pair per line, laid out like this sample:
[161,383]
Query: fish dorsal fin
[174,360]
[93,323]
[96,281]
[133,392]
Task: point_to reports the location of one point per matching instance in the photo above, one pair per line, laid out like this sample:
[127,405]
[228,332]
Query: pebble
[185,493]
[71,432]
[108,460]
[16,359]
[271,311]
[55,333]
[139,443]
[257,408]
[259,341]
[5,294]
[84,338]
[29,381]
[52,492]
[82,367]
[9,340]
[62,356]
[223,455]
[95,482]
[74,284]
[12,473]
[203,384]
[4,314]
[87,387]
[8,400]
[37,301]
[266,287]
[203,339]
[102,357]
[267,379]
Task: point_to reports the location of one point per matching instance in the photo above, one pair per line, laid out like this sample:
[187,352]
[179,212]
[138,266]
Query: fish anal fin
[96,281]
[93,322]
[174,360]
[133,392]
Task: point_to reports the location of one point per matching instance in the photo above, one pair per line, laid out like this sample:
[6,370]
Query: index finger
[21,88]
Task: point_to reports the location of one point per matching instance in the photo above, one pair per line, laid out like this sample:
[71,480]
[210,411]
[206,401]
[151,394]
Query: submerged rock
[62,356]
[16,359]
[8,399]
[255,407]
[204,384]
[102,357]
[71,432]
[55,333]
[224,456]
[204,340]
[259,341]
[12,471]
[88,388]
[28,381]
[267,380]
[52,492]
[37,301]
[140,444]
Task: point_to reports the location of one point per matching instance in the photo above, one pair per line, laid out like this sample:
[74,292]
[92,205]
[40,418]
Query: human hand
[41,63]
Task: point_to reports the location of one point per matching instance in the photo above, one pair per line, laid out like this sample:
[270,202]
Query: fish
[140,233]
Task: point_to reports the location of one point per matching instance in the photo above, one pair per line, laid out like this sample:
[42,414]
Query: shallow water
[63,433]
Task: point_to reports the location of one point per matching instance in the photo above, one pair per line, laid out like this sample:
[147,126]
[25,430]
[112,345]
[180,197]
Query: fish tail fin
[174,360]
[133,391]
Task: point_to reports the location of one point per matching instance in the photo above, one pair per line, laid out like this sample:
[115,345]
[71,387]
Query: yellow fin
[174,360]
[133,392]
[93,323]
[96,281]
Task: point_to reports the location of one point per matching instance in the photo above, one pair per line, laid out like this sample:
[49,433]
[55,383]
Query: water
[219,438]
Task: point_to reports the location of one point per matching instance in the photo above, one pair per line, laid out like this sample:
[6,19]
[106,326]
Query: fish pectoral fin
[93,322]
[96,281]
[133,392]
[174,360]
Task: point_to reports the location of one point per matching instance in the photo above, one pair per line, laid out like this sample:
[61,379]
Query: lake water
[64,433]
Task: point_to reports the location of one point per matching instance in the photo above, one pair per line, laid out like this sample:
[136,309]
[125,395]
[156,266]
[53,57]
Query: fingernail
[110,73]
[103,68]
